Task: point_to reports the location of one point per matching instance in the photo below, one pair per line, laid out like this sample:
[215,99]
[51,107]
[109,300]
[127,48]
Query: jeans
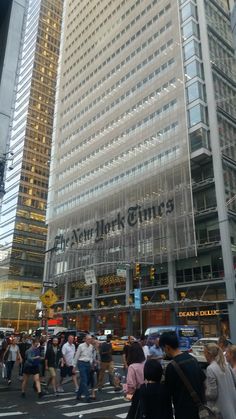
[9,367]
[84,371]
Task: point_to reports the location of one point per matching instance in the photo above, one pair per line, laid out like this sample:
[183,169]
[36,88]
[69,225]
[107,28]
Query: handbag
[203,410]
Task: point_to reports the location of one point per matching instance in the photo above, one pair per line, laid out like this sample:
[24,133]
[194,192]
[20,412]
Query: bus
[187,335]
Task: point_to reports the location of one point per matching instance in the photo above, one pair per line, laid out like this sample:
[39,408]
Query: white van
[8,331]
[52,330]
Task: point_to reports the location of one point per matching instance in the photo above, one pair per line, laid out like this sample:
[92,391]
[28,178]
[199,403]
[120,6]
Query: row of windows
[126,155]
[227,133]
[36,193]
[118,83]
[145,145]
[160,70]
[34,181]
[225,95]
[155,161]
[33,168]
[32,203]
[108,45]
[117,68]
[222,57]
[218,21]
[165,88]
[118,51]
[86,17]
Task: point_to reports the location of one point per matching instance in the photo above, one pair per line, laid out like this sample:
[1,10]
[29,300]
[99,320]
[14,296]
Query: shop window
[197,273]
[206,271]
[188,275]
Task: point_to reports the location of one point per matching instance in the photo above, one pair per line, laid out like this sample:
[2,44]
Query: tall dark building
[22,229]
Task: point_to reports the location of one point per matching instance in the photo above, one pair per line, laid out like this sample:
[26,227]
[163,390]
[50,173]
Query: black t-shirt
[106,352]
[155,401]
[183,402]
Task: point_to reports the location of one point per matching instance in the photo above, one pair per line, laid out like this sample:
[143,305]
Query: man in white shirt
[84,359]
[67,366]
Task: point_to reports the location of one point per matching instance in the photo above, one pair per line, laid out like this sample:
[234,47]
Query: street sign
[137,298]
[49,284]
[90,277]
[121,272]
[48,298]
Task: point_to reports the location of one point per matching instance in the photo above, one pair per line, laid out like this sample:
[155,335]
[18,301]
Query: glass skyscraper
[142,185]
[23,230]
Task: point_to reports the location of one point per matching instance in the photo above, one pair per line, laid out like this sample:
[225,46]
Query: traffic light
[137,270]
[152,272]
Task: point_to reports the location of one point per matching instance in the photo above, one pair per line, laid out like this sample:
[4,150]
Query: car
[78,334]
[101,338]
[197,349]
[118,344]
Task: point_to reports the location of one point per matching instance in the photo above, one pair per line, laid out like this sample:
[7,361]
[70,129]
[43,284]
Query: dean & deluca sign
[200,313]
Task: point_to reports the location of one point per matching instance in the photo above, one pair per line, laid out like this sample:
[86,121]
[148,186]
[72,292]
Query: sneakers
[23,395]
[8,382]
[40,395]
[60,389]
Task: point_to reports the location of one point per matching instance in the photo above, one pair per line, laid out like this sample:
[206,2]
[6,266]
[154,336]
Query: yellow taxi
[118,344]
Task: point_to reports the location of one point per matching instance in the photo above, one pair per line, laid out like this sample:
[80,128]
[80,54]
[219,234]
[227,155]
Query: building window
[196,115]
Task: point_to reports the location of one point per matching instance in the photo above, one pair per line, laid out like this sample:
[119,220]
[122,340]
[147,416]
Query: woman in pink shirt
[135,377]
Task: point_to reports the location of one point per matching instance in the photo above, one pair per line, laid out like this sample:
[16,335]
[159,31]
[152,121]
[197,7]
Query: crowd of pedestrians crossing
[160,381]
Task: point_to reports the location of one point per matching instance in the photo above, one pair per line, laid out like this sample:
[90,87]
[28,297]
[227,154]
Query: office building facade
[12,16]
[142,181]
[23,230]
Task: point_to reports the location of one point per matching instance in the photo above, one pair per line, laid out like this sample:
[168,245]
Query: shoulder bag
[203,410]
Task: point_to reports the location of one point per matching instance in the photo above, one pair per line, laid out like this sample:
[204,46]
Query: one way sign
[90,277]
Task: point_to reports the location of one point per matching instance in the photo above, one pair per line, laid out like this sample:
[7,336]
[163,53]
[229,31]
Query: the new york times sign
[100,230]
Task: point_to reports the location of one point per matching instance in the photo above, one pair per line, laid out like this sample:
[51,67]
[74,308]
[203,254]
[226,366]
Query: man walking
[67,366]
[84,359]
[184,405]
[107,364]
[51,363]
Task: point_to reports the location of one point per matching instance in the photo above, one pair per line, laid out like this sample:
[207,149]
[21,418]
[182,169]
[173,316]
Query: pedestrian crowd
[160,381]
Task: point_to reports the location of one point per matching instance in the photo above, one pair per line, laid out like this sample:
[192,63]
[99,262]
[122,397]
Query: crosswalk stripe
[122,416]
[57,400]
[66,406]
[99,409]
[12,414]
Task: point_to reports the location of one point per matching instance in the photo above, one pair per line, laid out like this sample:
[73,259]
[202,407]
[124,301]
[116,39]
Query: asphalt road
[108,404]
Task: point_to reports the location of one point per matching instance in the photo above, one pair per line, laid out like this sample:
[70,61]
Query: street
[108,404]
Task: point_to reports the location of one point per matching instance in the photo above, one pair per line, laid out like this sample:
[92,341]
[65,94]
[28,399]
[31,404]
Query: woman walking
[32,368]
[11,355]
[135,378]
[220,386]
[231,357]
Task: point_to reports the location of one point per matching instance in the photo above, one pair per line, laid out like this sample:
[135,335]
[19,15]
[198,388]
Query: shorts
[52,371]
[65,370]
[32,370]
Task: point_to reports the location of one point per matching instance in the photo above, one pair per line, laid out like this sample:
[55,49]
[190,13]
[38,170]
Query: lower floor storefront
[210,320]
